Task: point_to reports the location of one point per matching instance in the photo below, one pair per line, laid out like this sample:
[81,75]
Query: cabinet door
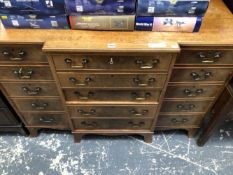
[7,118]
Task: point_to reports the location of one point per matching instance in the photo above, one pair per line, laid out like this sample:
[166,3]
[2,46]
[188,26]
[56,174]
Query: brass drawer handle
[39,107]
[81,97]
[77,82]
[34,91]
[47,119]
[92,112]
[69,62]
[209,57]
[11,57]
[188,107]
[197,77]
[141,84]
[174,120]
[136,125]
[21,74]
[89,124]
[194,93]
[135,96]
[142,65]
[136,113]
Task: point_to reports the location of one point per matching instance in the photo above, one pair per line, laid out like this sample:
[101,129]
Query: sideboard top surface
[217,29]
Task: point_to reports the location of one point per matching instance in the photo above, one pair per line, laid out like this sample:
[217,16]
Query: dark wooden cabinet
[221,113]
[9,121]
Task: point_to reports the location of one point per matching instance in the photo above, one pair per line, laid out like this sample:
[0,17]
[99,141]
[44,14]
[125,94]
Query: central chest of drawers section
[112,93]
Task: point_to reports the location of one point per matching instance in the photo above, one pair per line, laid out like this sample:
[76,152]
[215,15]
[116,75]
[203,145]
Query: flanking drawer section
[22,54]
[46,119]
[137,124]
[157,62]
[192,91]
[205,57]
[149,80]
[130,111]
[39,104]
[178,120]
[185,106]
[191,75]
[30,89]
[25,73]
[81,95]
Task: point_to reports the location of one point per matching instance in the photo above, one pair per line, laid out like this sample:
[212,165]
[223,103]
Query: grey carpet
[170,153]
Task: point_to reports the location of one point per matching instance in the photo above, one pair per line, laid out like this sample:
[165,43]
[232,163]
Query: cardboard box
[100,7]
[179,8]
[168,24]
[35,22]
[39,7]
[102,22]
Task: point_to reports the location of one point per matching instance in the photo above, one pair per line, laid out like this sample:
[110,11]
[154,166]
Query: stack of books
[170,15]
[101,14]
[36,14]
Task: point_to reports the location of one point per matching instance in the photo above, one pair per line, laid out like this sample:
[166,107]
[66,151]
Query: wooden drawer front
[112,95]
[177,120]
[112,111]
[203,57]
[126,63]
[112,80]
[200,75]
[135,124]
[30,89]
[22,54]
[46,119]
[25,73]
[192,91]
[53,104]
[185,106]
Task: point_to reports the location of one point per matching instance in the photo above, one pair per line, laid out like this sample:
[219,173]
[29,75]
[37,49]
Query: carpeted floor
[170,153]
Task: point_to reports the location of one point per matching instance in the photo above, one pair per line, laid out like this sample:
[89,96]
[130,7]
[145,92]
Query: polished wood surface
[78,96]
[156,62]
[111,80]
[192,91]
[19,53]
[32,89]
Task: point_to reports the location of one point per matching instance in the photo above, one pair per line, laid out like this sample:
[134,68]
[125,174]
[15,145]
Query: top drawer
[156,62]
[203,57]
[22,53]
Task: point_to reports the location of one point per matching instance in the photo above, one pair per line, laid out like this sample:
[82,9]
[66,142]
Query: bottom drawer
[178,120]
[46,120]
[111,124]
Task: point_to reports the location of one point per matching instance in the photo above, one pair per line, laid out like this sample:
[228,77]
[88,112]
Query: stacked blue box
[100,7]
[39,7]
[168,24]
[35,22]
[170,15]
[41,14]
[172,8]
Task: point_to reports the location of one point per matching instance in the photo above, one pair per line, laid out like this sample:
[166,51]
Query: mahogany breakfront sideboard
[116,83]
